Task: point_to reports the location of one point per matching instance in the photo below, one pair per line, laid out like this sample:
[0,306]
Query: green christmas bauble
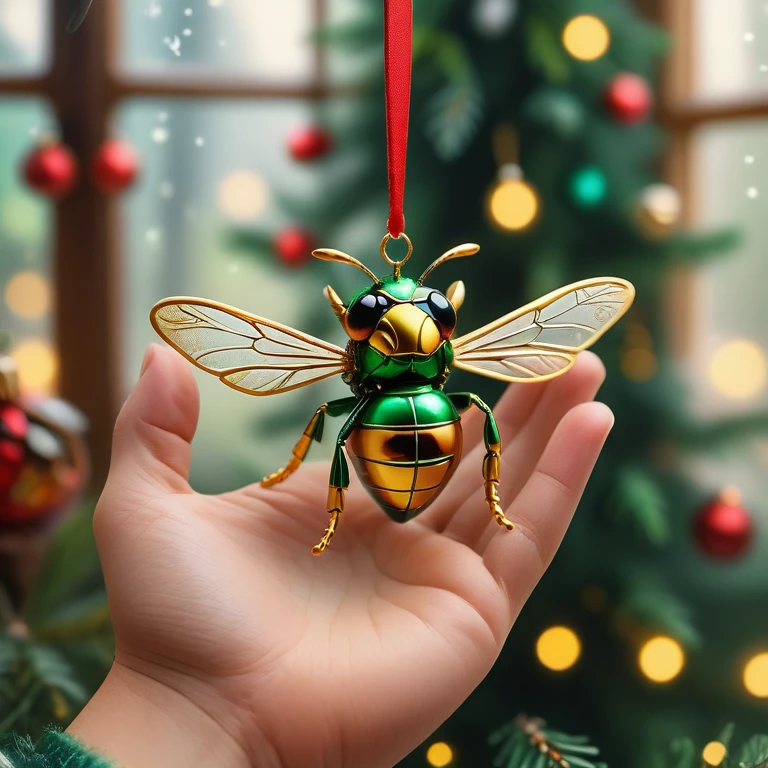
[588,187]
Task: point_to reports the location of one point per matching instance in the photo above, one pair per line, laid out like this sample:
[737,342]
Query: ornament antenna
[467,249]
[331,254]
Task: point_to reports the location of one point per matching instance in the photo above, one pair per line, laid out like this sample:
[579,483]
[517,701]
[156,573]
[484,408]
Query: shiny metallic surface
[406,449]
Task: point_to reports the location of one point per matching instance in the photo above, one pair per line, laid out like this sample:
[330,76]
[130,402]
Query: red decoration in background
[293,246]
[51,170]
[309,143]
[628,98]
[13,429]
[723,529]
[43,463]
[114,166]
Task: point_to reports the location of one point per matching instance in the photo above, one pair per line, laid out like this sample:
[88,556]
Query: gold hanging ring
[396,265]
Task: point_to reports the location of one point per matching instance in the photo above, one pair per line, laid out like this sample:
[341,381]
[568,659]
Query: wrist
[137,721]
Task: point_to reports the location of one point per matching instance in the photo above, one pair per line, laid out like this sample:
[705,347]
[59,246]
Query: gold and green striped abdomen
[405,448]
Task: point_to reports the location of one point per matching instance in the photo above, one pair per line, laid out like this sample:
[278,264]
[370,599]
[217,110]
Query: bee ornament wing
[248,353]
[541,340]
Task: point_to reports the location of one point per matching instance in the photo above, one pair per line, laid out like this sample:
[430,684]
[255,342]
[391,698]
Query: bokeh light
[738,369]
[37,363]
[638,364]
[28,295]
[513,204]
[661,659]
[440,754]
[714,753]
[243,196]
[756,676]
[558,648]
[586,37]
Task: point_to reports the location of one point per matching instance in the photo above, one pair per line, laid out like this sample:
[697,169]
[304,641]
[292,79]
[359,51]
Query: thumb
[151,445]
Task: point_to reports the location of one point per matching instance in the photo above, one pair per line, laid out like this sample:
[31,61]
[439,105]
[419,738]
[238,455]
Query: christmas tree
[532,134]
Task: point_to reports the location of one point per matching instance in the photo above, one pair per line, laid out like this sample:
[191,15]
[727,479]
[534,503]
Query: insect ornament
[402,430]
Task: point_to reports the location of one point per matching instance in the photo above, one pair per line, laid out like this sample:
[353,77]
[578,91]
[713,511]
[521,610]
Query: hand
[236,647]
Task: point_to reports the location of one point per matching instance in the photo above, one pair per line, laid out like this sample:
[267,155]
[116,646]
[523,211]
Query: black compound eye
[442,311]
[363,316]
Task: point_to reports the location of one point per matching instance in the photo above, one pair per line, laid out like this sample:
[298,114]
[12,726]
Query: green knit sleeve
[54,750]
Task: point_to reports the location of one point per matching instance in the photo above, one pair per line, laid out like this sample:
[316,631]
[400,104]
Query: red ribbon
[398,53]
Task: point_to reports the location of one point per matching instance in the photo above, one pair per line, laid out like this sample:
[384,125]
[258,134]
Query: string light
[243,196]
[558,648]
[714,753]
[513,203]
[638,364]
[738,369]
[661,659]
[756,676]
[37,364]
[440,754]
[586,37]
[28,295]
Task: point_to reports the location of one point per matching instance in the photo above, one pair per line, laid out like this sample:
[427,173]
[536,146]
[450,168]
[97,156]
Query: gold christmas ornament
[659,209]
[513,203]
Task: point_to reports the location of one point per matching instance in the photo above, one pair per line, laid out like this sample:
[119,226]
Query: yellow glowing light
[714,753]
[37,365]
[513,204]
[586,38]
[739,369]
[661,659]
[243,196]
[440,754]
[638,364]
[756,675]
[28,295]
[558,648]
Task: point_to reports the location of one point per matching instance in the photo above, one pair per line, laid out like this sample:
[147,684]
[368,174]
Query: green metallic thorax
[373,366]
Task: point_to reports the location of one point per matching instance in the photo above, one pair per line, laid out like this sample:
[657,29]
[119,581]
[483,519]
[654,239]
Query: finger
[524,438]
[545,506]
[151,444]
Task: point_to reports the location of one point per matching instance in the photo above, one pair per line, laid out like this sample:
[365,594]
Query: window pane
[266,41]
[732,313]
[25,264]
[23,35]
[211,169]
[730,56]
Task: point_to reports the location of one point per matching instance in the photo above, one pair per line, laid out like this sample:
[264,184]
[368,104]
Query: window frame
[86,257]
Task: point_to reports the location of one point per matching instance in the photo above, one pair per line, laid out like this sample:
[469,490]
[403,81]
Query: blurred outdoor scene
[570,139]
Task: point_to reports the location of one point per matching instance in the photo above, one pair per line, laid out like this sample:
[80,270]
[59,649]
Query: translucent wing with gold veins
[248,353]
[541,340]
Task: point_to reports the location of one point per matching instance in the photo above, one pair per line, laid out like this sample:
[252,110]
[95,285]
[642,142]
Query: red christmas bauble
[723,529]
[51,170]
[114,166]
[43,461]
[293,246]
[309,143]
[628,98]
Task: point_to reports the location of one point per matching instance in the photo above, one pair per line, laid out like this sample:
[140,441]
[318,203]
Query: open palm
[223,618]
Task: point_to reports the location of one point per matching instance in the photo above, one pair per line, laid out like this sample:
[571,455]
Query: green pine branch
[683,753]
[527,742]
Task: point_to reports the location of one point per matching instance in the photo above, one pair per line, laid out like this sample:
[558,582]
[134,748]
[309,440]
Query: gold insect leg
[335,508]
[492,459]
[314,431]
[339,479]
